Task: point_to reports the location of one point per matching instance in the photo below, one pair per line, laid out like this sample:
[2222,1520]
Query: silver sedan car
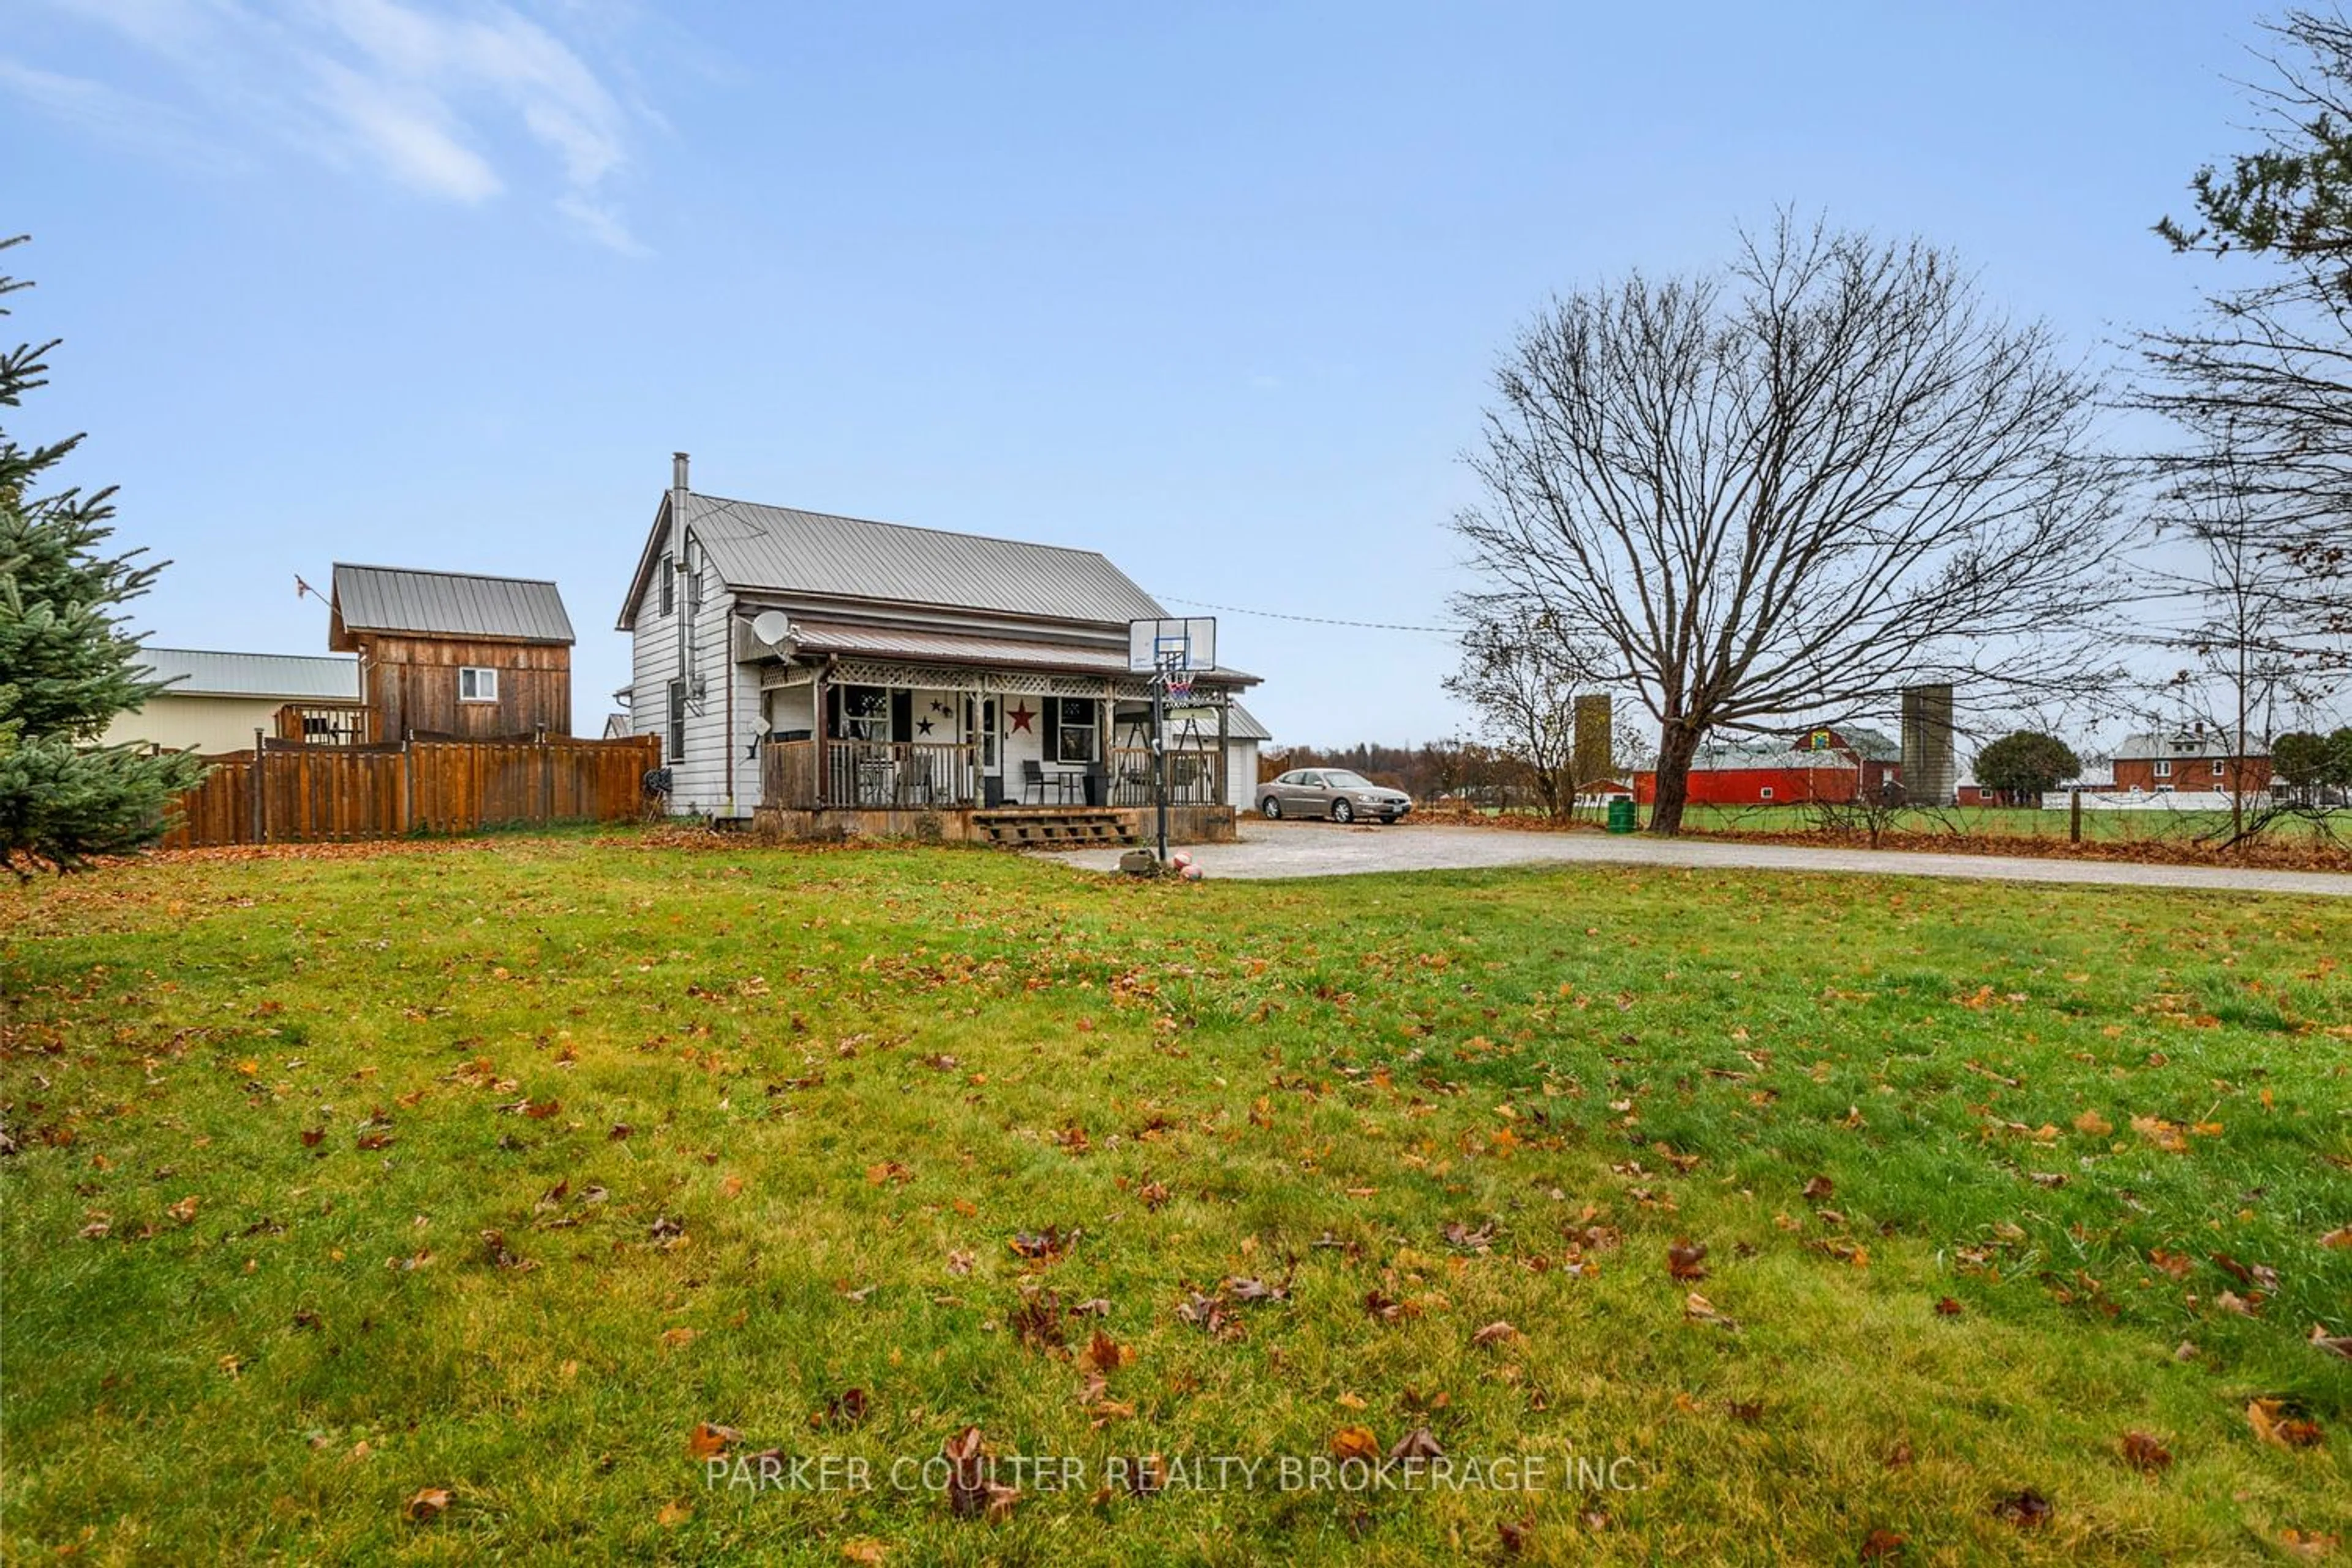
[1334,792]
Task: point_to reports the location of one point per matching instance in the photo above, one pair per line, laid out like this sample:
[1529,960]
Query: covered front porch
[865,745]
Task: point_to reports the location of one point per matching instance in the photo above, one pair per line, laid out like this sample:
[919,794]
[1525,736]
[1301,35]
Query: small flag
[300,588]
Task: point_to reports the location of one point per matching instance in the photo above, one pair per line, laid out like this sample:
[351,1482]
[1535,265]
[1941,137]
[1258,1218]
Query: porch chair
[1034,776]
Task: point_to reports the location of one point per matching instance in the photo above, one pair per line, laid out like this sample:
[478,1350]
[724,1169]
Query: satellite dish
[774,628]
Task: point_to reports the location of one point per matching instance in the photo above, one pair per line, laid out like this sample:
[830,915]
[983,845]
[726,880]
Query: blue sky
[1214,289]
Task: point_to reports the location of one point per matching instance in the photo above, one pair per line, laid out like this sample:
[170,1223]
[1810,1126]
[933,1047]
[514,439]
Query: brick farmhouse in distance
[2197,760]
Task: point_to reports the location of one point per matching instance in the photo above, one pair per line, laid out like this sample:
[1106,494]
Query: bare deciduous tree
[1794,487]
[2264,382]
[1522,676]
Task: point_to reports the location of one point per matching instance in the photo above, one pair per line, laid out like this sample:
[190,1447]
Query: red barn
[1820,766]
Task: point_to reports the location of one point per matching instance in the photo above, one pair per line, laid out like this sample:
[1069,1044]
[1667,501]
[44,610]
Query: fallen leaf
[673,1338]
[2331,1344]
[184,1211]
[707,1440]
[2163,1134]
[675,1512]
[429,1504]
[1881,1544]
[1818,1189]
[2027,1509]
[2340,1236]
[1493,1333]
[1685,1258]
[1420,1442]
[1355,1442]
[2142,1451]
[1697,1308]
[960,1263]
[1947,1307]
[2092,1122]
[2285,1431]
[865,1552]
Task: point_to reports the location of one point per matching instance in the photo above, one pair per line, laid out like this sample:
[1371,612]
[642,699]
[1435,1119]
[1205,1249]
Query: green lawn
[493,1171]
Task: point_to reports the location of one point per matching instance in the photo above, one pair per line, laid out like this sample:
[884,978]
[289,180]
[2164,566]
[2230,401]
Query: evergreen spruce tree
[66,667]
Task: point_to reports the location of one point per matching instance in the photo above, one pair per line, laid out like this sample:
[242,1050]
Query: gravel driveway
[1326,849]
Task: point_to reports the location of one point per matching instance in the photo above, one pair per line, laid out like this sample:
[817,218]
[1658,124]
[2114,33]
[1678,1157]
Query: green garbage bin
[1620,815]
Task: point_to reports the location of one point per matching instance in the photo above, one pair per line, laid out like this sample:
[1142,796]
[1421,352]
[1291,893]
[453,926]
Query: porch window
[477,685]
[865,713]
[1074,722]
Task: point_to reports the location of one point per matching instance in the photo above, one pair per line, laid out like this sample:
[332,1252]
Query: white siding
[1241,774]
[713,777]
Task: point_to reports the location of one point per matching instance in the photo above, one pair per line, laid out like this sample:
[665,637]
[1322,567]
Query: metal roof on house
[1241,724]
[2190,744]
[973,648]
[448,604]
[289,677]
[783,550]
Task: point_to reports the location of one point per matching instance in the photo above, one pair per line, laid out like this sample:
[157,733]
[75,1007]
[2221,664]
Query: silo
[1929,776]
[1592,761]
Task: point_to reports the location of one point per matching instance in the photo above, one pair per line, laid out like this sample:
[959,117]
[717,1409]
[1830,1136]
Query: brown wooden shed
[455,654]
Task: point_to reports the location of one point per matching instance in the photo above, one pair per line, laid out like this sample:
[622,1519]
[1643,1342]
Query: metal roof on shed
[448,604]
[293,676]
[789,551]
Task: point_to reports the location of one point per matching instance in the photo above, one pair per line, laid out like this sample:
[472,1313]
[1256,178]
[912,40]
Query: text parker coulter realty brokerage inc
[1213,1472]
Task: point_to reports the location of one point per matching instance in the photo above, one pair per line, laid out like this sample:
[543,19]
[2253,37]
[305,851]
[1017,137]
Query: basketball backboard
[1171,643]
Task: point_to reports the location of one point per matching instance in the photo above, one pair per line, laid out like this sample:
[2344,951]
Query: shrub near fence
[310,794]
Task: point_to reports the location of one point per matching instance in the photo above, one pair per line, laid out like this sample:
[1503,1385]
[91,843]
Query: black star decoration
[922,726]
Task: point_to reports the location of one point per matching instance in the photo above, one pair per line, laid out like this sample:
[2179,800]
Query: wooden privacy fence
[310,794]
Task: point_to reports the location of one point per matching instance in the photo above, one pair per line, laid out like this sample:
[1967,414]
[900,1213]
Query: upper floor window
[2164,767]
[668,586]
[2218,769]
[475,684]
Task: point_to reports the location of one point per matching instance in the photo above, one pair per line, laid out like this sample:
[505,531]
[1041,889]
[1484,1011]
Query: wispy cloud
[460,103]
[111,114]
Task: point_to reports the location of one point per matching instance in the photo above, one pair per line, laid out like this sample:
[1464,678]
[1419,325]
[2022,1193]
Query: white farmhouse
[857,677]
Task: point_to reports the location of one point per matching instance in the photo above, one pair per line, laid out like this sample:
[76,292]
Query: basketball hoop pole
[1160,756]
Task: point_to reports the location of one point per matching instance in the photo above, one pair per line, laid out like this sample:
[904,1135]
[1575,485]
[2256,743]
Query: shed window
[1764,793]
[475,684]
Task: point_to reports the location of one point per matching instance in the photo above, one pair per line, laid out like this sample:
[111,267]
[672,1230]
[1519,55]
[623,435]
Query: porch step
[1037,827]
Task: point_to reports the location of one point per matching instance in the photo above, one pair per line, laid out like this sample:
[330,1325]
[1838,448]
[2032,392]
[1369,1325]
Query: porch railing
[882,774]
[1195,777]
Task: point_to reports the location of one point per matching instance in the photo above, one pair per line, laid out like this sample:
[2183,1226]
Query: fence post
[260,809]
[546,777]
[2074,816]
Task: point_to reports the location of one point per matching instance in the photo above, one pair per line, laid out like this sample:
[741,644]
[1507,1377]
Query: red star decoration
[1021,717]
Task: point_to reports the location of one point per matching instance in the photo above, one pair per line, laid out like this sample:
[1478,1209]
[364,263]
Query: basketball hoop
[1177,683]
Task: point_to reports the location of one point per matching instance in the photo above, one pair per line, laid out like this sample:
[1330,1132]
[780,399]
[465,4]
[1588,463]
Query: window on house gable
[668,586]
[475,684]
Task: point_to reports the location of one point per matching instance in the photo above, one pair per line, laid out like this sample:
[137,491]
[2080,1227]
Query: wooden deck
[1013,826]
